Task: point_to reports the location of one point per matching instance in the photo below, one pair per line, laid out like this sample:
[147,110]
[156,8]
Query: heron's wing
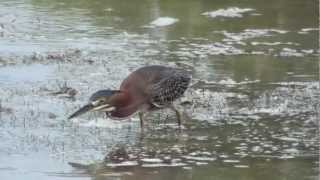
[169,88]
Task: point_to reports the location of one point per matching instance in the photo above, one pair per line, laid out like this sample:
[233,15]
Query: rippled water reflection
[251,112]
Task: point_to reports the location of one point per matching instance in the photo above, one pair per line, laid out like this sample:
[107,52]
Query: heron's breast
[123,111]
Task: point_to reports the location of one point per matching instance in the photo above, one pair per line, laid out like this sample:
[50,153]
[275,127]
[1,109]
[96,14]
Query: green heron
[146,89]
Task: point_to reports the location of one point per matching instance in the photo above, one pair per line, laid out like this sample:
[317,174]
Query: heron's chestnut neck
[120,99]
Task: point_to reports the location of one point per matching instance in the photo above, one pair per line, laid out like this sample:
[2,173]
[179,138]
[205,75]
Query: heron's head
[99,101]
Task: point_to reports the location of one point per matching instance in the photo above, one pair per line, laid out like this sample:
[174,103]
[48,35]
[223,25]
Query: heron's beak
[92,107]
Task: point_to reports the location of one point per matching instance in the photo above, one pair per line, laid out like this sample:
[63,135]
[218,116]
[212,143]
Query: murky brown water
[251,111]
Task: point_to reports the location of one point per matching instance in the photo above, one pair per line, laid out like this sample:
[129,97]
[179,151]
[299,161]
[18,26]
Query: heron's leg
[141,117]
[178,115]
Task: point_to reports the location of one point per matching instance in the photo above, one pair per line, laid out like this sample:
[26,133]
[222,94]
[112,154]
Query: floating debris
[65,91]
[56,56]
[52,115]
[5,109]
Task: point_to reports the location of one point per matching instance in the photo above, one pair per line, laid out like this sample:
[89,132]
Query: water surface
[251,112]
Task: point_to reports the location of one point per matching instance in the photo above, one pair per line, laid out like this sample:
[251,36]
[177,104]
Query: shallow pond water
[252,111]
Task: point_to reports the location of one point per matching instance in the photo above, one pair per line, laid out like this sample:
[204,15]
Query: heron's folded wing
[169,89]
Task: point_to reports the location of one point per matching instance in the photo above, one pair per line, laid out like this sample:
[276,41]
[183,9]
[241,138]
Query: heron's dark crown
[103,94]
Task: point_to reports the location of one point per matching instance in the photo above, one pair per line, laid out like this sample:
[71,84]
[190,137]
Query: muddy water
[251,112]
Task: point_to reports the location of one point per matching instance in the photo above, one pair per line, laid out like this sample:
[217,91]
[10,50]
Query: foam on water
[290,52]
[273,43]
[307,30]
[230,81]
[250,33]
[163,21]
[231,161]
[123,164]
[203,50]
[151,160]
[231,12]
[198,158]
[241,166]
[163,165]
[237,43]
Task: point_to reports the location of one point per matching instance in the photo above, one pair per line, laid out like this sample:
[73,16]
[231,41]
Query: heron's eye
[98,102]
